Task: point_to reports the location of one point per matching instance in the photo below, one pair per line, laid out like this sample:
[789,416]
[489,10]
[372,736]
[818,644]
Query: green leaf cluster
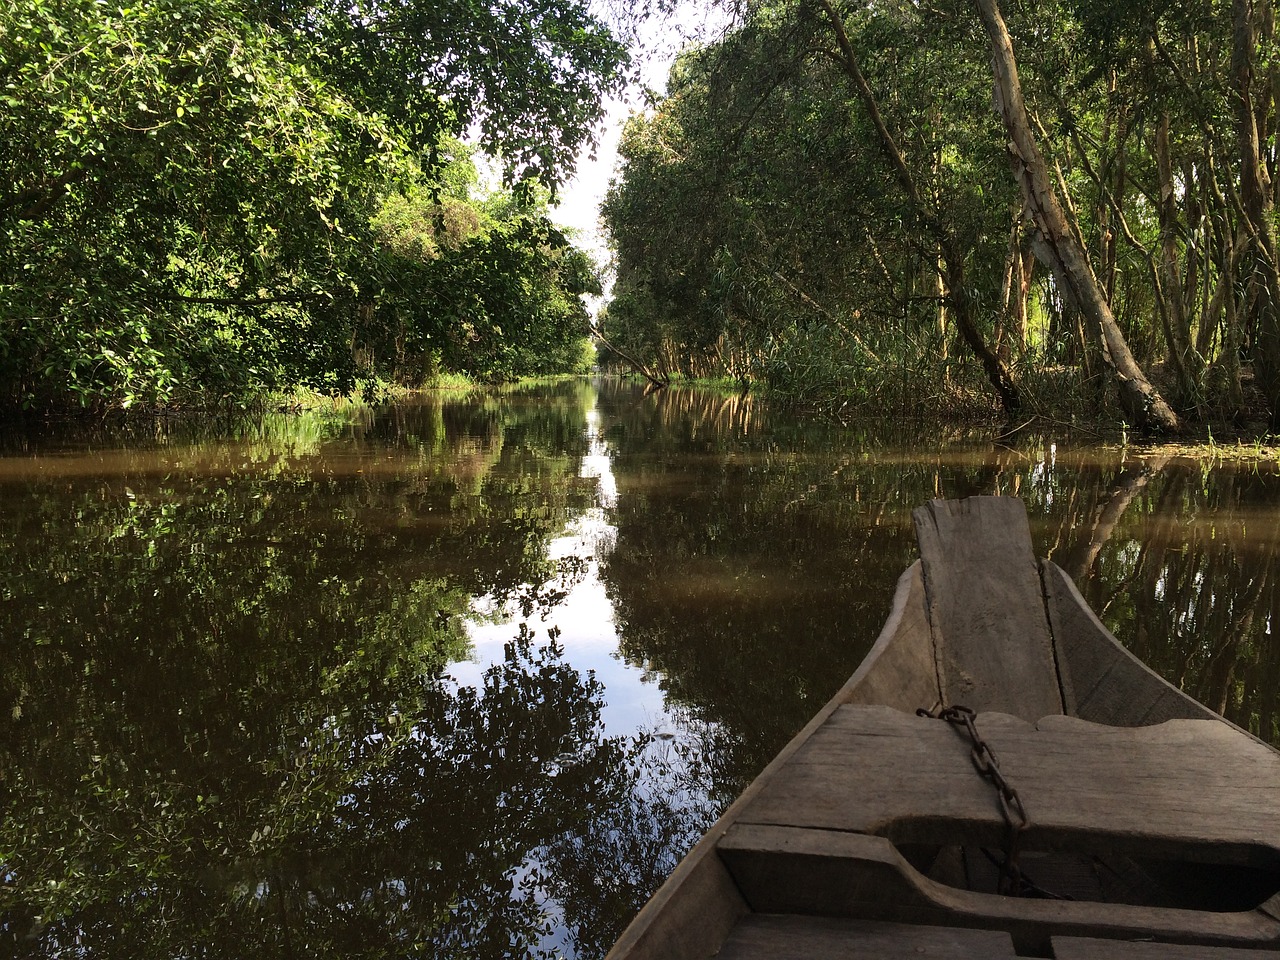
[757,229]
[825,201]
[205,200]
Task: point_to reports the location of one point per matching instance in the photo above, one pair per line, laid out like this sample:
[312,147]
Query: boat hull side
[1101,680]
[695,909]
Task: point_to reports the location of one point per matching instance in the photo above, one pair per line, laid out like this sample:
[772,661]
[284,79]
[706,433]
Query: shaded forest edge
[1068,212]
[1061,211]
[205,202]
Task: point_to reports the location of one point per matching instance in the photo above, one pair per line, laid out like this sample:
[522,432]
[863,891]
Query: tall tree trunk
[1174,310]
[951,267]
[1016,291]
[1231,325]
[1112,171]
[940,294]
[1010,278]
[1251,19]
[1057,244]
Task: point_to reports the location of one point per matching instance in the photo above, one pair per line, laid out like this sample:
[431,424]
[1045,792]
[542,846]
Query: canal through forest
[465,676]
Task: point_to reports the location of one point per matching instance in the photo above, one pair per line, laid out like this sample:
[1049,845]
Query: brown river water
[466,676]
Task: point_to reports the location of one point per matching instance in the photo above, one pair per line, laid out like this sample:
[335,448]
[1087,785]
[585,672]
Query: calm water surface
[465,677]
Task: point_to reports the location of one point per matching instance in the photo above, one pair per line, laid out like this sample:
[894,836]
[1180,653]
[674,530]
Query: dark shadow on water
[226,723]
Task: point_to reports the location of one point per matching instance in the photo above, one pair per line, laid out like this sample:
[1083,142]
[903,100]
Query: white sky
[660,40]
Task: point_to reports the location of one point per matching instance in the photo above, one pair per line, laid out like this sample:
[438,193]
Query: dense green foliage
[776,221]
[202,199]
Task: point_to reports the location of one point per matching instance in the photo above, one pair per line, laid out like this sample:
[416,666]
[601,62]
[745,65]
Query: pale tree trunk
[1015,286]
[1252,109]
[960,306]
[938,268]
[1022,313]
[656,379]
[1008,280]
[940,295]
[1058,245]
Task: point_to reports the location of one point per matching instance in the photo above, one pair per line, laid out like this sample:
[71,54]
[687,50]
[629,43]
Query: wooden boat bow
[870,834]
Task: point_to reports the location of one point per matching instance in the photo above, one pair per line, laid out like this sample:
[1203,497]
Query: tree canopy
[201,200]
[859,217]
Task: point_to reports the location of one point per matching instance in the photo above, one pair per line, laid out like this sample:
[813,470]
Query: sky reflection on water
[584,618]
[224,727]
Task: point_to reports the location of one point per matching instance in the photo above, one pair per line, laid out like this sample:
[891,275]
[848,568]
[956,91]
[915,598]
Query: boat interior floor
[777,937]
[882,815]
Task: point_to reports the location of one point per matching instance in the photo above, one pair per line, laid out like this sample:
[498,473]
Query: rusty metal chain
[1015,814]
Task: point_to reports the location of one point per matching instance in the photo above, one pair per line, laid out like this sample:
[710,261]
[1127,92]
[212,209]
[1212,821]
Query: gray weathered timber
[691,914]
[873,816]
[1088,948]
[985,605]
[1187,790]
[767,937]
[900,668]
[1101,680]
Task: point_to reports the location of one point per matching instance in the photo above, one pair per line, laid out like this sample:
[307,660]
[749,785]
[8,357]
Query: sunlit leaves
[168,158]
[529,74]
[187,188]
[490,288]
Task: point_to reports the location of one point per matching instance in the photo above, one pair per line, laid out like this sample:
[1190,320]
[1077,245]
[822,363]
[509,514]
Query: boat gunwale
[697,906]
[703,856]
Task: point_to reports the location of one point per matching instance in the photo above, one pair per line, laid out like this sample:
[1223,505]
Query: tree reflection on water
[403,827]
[1186,575]
[229,726]
[228,722]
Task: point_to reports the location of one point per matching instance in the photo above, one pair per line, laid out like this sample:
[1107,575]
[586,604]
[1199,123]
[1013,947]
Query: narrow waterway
[466,676]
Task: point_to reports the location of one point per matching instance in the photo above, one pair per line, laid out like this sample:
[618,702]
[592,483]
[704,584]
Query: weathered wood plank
[966,618]
[691,913]
[1103,681]
[769,937]
[986,609]
[1182,790]
[833,873]
[900,668]
[695,908]
[1087,948]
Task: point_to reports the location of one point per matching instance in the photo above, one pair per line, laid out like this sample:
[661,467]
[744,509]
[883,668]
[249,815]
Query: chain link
[1011,808]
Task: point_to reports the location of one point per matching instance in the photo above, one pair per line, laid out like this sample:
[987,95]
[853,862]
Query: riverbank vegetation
[825,202]
[202,201]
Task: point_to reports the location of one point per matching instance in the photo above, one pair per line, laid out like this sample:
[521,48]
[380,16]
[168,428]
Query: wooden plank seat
[1184,789]
[1089,948]
[1164,834]
[771,937]
[828,834]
